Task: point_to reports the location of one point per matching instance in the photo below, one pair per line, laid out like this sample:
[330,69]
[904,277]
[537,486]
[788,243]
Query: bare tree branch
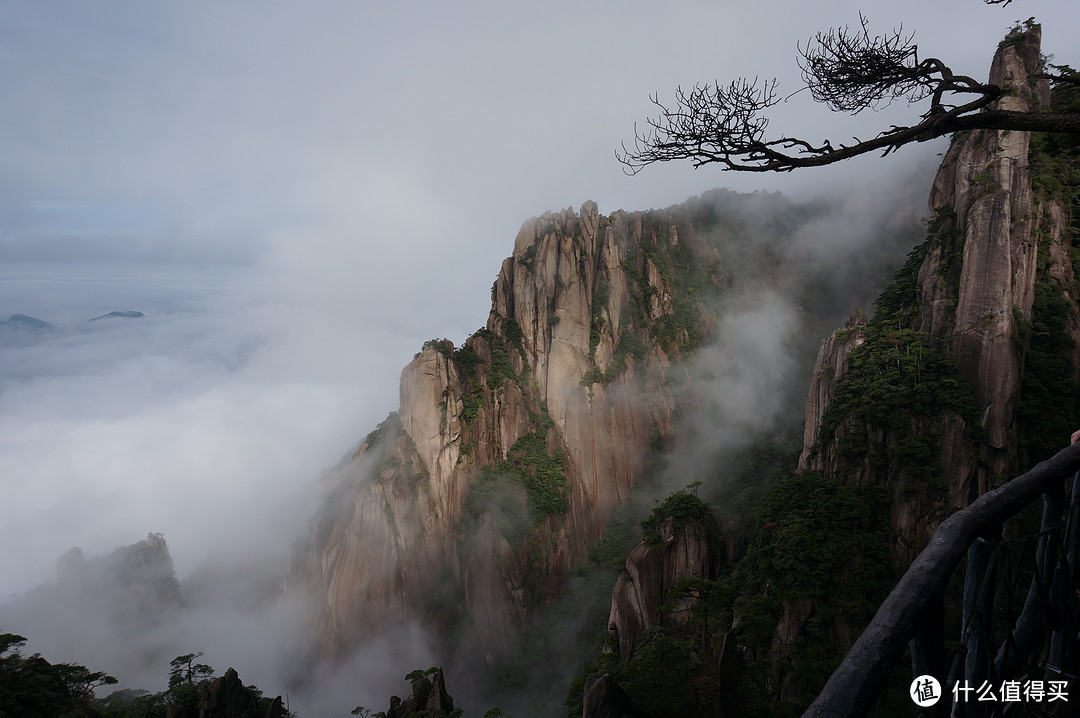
[848,70]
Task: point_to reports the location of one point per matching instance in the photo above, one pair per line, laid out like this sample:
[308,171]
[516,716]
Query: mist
[296,199]
[212,418]
[796,272]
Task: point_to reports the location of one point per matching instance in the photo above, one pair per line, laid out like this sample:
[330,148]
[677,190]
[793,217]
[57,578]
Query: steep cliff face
[965,376]
[508,454]
[829,368]
[643,593]
[469,506]
[961,308]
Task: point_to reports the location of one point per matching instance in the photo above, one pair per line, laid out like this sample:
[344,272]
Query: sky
[298,195]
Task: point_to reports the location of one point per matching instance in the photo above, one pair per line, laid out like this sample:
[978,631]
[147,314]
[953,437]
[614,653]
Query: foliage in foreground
[31,686]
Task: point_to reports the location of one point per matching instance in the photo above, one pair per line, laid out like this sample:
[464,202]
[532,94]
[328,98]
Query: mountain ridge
[473,504]
[965,376]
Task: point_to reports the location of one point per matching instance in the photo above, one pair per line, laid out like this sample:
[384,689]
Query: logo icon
[925,691]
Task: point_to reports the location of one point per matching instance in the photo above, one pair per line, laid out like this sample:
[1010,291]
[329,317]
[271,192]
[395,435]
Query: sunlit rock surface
[580,356]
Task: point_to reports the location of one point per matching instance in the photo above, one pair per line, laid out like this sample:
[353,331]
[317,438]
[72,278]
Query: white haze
[750,381]
[297,196]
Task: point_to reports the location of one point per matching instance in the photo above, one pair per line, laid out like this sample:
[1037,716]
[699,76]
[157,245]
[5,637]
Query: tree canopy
[31,686]
[849,70]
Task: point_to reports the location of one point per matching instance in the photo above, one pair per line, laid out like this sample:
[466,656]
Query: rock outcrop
[227,697]
[652,570]
[429,699]
[604,698]
[470,505]
[832,362]
[992,240]
[508,454]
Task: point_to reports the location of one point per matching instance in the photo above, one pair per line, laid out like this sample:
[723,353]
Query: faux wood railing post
[978,613]
[928,645]
[1032,620]
[860,678]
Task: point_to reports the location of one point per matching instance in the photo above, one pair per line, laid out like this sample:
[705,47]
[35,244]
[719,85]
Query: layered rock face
[508,454]
[991,242]
[652,571]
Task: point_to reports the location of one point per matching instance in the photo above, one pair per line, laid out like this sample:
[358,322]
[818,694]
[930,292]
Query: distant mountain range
[26,323]
[120,315]
[22,322]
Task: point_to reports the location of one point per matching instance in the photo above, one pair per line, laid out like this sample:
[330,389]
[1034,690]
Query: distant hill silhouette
[22,322]
[122,315]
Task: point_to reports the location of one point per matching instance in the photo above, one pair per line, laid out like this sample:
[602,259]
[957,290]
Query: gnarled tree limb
[849,71]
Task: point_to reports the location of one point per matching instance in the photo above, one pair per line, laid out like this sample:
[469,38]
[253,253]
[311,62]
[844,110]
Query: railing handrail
[859,679]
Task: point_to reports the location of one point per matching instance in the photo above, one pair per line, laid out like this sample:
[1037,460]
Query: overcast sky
[297,195]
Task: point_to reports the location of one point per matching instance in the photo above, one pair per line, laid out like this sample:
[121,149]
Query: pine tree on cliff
[849,71]
[880,444]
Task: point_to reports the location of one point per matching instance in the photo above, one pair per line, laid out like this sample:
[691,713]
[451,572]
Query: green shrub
[686,509]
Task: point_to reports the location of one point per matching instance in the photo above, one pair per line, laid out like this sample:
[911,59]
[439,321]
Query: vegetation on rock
[31,686]
[900,381]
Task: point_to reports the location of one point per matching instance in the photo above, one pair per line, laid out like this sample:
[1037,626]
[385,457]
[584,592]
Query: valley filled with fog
[282,207]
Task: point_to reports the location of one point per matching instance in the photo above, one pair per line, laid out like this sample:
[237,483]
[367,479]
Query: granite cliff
[469,507]
[965,375]
[967,299]
[680,543]
[508,454]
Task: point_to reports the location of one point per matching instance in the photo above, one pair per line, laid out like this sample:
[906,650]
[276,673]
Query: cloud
[297,197]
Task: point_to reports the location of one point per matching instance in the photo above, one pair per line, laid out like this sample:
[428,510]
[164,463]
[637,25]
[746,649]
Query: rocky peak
[829,368]
[985,180]
[546,413]
[135,586]
[429,698]
[145,571]
[641,597]
[227,697]
[973,285]
[70,566]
